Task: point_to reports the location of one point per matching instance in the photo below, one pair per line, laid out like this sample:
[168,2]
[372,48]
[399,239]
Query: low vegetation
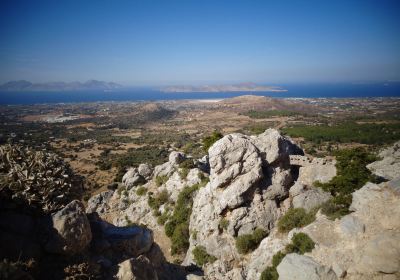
[201,257]
[141,191]
[295,218]
[271,113]
[210,140]
[156,201]
[249,242]
[352,174]
[223,224]
[301,244]
[161,180]
[177,227]
[368,133]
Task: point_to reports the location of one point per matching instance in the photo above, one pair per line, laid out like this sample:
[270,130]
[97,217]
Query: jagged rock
[133,178]
[176,157]
[236,167]
[274,147]
[262,256]
[351,225]
[99,202]
[203,164]
[310,198]
[71,230]
[145,170]
[364,196]
[176,183]
[129,240]
[381,254]
[260,214]
[389,166]
[136,269]
[294,266]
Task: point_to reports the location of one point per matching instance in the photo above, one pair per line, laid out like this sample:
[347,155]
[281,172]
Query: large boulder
[389,166]
[381,254]
[310,198]
[133,178]
[121,240]
[145,170]
[298,267]
[70,233]
[138,268]
[236,167]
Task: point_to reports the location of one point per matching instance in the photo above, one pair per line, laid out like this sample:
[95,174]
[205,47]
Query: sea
[148,94]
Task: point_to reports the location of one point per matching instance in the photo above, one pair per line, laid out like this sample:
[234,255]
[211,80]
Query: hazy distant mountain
[243,87]
[58,86]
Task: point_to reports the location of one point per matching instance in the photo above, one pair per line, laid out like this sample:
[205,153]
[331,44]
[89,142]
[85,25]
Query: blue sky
[181,42]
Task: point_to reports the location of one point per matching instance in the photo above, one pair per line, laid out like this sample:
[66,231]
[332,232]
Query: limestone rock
[381,254]
[351,225]
[136,269]
[71,230]
[312,170]
[99,202]
[310,198]
[133,178]
[176,157]
[389,166]
[274,147]
[235,168]
[294,266]
[145,170]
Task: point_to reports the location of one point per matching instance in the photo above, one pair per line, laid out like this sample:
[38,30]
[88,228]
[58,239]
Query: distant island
[243,87]
[23,85]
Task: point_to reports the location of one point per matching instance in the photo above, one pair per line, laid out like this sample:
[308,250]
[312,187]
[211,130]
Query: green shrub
[248,242]
[210,140]
[160,199]
[141,191]
[161,220]
[295,217]
[180,239]
[269,273]
[223,223]
[160,180]
[352,174]
[277,258]
[187,163]
[183,172]
[177,227]
[301,243]
[201,257]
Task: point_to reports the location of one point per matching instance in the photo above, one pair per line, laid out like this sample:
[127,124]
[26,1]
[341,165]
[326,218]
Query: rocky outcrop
[307,197]
[313,169]
[99,202]
[295,266]
[71,232]
[136,269]
[389,166]
[250,177]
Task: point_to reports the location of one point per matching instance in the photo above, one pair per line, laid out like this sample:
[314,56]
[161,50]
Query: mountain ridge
[23,85]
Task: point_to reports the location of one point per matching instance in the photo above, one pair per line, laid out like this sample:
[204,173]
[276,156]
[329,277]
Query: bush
[180,239]
[269,273]
[210,140]
[301,243]
[201,257]
[160,180]
[141,191]
[160,199]
[295,217]
[161,220]
[249,242]
[223,223]
[183,172]
[352,174]
[177,227]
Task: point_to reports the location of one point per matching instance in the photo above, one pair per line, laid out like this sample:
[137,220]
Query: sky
[148,42]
